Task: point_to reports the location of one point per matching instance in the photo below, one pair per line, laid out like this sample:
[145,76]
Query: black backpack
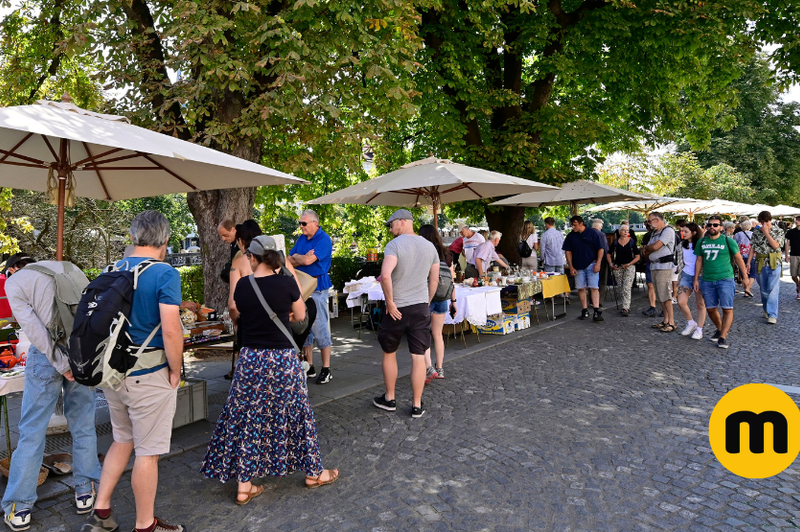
[101,351]
[444,291]
[524,249]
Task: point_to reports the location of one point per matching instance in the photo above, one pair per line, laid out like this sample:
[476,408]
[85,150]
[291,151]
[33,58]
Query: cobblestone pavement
[586,426]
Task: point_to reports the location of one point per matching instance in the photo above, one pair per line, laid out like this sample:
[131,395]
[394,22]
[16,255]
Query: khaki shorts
[142,411]
[794,266]
[662,282]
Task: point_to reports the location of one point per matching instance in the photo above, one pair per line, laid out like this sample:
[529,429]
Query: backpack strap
[270,313]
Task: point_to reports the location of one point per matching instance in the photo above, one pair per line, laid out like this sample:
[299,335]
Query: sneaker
[598,315]
[163,526]
[18,520]
[650,312]
[430,374]
[766,316]
[660,314]
[797,296]
[772,321]
[98,524]
[311,373]
[722,343]
[417,411]
[625,313]
[584,314]
[690,328]
[716,336]
[84,503]
[325,376]
[384,404]
[697,334]
[440,373]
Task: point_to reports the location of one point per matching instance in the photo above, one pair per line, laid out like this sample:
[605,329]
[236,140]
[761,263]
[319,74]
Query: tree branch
[58,51]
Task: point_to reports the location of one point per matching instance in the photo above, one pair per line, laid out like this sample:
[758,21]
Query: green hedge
[192,284]
[343,269]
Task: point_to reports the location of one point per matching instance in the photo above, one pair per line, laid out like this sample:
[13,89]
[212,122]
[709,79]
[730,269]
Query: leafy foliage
[763,143]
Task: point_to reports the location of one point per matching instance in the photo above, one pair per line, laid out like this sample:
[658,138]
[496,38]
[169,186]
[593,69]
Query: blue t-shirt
[160,283]
[323,248]
[584,246]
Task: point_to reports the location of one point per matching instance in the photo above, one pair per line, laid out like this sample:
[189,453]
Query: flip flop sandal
[316,482]
[658,325]
[668,329]
[250,495]
[748,293]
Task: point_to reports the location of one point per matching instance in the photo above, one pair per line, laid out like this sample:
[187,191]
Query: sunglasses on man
[303,224]
[712,225]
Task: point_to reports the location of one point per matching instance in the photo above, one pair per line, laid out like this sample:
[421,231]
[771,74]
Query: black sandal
[668,329]
[659,325]
[748,293]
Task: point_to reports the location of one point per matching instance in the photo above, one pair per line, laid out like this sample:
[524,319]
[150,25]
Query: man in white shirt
[471,241]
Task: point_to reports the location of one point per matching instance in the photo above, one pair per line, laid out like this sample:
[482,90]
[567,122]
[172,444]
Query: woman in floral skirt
[266,426]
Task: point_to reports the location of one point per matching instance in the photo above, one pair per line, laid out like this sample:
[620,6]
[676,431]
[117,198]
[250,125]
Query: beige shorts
[662,283]
[794,266]
[142,411]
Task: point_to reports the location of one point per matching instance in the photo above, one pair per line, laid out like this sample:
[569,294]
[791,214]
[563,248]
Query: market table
[553,286]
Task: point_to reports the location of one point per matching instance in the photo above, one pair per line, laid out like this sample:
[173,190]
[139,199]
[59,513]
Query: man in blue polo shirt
[584,248]
[312,255]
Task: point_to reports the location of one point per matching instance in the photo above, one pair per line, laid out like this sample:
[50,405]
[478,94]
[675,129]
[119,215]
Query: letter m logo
[756,422]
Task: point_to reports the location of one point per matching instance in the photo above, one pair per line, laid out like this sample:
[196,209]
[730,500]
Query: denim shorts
[647,277]
[439,307]
[587,277]
[718,293]
[686,280]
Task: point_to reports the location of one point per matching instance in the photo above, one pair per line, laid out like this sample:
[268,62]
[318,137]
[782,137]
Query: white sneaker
[85,502]
[690,328]
[18,520]
[772,321]
[765,314]
[697,334]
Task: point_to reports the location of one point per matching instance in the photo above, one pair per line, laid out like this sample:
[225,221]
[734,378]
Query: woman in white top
[529,236]
[690,234]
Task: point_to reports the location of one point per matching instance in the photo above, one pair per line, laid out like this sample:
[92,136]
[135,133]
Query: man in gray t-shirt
[409,277]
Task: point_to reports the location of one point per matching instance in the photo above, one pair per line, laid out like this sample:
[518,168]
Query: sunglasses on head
[712,225]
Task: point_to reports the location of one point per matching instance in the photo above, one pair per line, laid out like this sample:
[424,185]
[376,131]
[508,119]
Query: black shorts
[415,324]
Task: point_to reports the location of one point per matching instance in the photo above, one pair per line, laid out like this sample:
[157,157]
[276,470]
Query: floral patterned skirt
[266,426]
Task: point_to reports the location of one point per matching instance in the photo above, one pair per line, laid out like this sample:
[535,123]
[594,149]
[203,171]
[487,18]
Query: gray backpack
[69,289]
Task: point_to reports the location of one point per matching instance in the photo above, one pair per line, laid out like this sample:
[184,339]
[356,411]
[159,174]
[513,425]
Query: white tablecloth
[12,384]
[474,304]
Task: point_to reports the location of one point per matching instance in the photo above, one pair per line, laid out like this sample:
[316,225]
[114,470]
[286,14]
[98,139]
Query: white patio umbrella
[431,181]
[580,191]
[654,203]
[782,211]
[58,147]
[732,208]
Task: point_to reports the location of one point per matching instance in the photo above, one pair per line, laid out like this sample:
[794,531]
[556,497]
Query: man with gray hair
[485,254]
[31,295]
[143,408]
[312,254]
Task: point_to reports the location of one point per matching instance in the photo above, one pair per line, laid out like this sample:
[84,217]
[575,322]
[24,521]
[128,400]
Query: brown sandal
[658,325]
[668,328]
[250,495]
[315,482]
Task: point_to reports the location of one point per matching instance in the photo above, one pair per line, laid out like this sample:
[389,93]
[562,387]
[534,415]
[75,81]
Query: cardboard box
[512,305]
[502,325]
[192,403]
[523,321]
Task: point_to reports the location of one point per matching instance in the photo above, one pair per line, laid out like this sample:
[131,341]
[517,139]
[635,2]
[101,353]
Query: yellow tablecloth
[554,286]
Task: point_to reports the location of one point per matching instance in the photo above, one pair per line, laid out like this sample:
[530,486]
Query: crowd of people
[267,425]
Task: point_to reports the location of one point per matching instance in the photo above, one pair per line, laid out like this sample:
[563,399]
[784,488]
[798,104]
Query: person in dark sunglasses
[715,278]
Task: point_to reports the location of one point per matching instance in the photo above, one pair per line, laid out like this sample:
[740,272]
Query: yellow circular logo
[754,431]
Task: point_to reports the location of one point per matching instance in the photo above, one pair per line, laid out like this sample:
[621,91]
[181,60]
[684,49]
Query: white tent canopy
[781,211]
[652,203]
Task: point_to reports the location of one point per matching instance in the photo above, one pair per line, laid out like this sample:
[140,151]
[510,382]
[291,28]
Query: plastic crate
[192,403]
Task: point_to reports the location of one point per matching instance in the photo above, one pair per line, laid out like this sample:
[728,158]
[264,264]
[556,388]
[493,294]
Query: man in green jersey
[713,275]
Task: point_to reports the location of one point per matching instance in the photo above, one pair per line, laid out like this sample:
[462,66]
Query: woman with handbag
[532,241]
[438,309]
[622,259]
[267,426]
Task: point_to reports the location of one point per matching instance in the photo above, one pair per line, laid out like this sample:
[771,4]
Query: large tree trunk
[508,221]
[209,208]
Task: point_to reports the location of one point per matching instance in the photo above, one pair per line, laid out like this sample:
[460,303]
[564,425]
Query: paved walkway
[583,426]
